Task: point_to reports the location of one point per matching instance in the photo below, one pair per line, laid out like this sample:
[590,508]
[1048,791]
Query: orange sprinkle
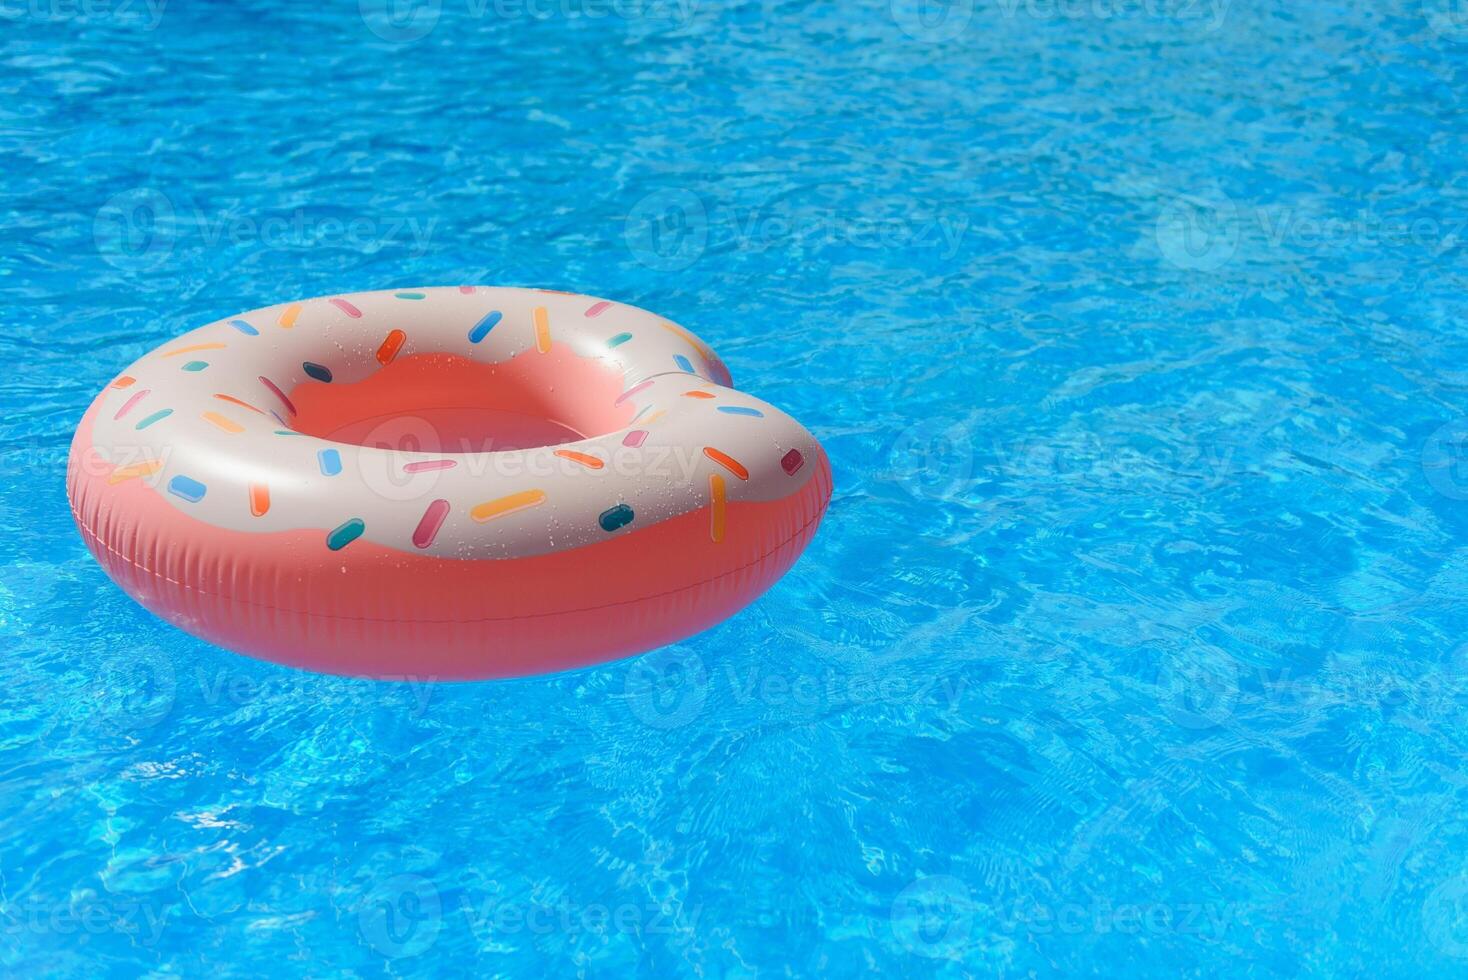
[228,425]
[542,330]
[191,349]
[716,511]
[586,460]
[145,468]
[390,347]
[235,401]
[123,381]
[259,499]
[697,394]
[727,462]
[501,506]
[288,316]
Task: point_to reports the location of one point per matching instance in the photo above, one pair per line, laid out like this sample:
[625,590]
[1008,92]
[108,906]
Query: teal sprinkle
[619,340]
[345,534]
[155,417]
[196,365]
[410,295]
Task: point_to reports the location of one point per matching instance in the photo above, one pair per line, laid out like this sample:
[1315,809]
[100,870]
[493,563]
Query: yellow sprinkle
[501,506]
[145,468]
[228,425]
[716,513]
[288,315]
[542,330]
[190,350]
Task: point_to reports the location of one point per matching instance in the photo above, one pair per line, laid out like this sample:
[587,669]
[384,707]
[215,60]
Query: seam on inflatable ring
[89,532]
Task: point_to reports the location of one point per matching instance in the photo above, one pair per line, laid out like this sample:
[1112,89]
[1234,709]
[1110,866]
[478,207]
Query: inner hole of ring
[449,404]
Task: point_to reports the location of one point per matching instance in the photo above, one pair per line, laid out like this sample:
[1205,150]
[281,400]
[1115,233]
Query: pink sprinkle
[433,519]
[635,438]
[347,308]
[466,289]
[792,462]
[428,465]
[632,391]
[128,405]
[278,394]
[599,308]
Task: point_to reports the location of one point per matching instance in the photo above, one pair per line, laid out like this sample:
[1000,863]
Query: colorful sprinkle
[244,328]
[390,347]
[145,468]
[619,340]
[501,506]
[286,432]
[278,394]
[697,394]
[157,416]
[597,309]
[228,425]
[615,517]
[466,289]
[483,327]
[428,526]
[585,459]
[127,406]
[635,438]
[259,499]
[792,461]
[330,462]
[632,391]
[345,534]
[235,401]
[196,365]
[428,465]
[187,489]
[191,348]
[411,295]
[542,329]
[347,308]
[288,316]
[124,381]
[716,510]
[683,363]
[318,371]
[741,410]
[727,462]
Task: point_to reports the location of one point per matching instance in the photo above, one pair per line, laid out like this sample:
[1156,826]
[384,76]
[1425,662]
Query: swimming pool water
[1133,642]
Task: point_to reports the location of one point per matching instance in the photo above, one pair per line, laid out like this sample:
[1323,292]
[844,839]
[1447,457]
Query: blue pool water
[1134,642]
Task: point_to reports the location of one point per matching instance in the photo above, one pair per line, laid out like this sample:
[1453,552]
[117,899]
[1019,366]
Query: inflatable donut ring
[459,482]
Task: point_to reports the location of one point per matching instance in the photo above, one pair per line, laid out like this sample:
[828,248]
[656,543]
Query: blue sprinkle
[682,363]
[345,533]
[738,410]
[188,489]
[483,327]
[318,371]
[331,462]
[615,517]
[619,340]
[244,328]
[196,365]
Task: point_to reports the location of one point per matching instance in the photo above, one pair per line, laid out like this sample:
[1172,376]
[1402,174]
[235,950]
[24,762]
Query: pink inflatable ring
[459,482]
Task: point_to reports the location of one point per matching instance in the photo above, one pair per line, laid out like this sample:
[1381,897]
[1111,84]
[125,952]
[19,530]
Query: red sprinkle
[792,462]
